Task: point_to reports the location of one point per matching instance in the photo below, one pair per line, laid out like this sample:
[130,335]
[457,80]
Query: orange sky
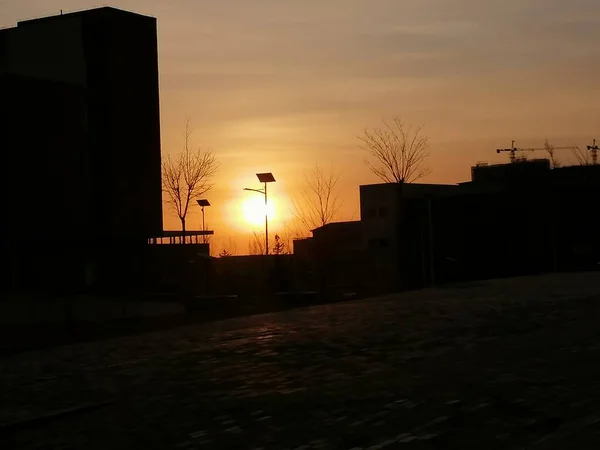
[276,85]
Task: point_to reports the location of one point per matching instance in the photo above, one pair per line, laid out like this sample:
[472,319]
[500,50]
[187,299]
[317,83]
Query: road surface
[506,364]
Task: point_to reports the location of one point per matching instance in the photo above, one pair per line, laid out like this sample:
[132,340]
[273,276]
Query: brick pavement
[503,364]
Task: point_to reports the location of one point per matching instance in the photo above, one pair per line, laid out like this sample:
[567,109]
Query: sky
[280,85]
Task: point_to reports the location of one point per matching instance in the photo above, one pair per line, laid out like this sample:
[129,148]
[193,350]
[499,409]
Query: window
[371,212]
[384,243]
[383,211]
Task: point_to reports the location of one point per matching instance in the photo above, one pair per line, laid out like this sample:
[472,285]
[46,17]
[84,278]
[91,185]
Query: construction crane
[513,150]
[594,150]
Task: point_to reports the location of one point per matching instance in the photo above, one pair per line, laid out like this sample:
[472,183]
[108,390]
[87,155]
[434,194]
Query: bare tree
[257,244]
[187,177]
[551,153]
[279,248]
[288,235]
[225,253]
[582,157]
[397,152]
[318,202]
[229,248]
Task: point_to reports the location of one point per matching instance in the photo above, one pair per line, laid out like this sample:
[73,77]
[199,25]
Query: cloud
[306,71]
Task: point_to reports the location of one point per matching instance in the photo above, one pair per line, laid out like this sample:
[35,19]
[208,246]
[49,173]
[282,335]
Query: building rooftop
[337,225]
[100,10]
[178,233]
[409,190]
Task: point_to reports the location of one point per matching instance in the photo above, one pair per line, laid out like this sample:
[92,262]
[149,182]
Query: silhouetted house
[81,147]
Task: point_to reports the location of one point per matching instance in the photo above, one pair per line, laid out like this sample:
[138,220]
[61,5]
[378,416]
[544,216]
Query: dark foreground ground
[507,364]
[19,337]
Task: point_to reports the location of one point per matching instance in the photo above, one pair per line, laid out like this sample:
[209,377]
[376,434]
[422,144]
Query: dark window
[371,212]
[384,243]
[383,211]
[373,243]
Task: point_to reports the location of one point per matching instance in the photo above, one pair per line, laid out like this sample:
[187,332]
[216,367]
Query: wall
[29,312]
[531,225]
[253,274]
[45,184]
[380,211]
[179,268]
[339,256]
[81,135]
[124,122]
[47,49]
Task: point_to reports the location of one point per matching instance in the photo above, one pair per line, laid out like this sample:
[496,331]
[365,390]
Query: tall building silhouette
[80,130]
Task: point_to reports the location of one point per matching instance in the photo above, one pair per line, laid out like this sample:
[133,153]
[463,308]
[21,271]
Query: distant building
[81,142]
[534,219]
[504,173]
[512,219]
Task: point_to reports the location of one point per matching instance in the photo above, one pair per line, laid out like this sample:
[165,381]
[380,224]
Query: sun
[253,210]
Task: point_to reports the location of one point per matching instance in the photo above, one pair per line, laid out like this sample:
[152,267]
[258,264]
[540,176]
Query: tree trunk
[182,229]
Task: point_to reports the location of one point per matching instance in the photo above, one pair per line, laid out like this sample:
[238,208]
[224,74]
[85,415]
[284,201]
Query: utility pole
[266,223]
[264,178]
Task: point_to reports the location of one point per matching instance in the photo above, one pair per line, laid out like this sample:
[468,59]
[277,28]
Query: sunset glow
[280,86]
[253,210]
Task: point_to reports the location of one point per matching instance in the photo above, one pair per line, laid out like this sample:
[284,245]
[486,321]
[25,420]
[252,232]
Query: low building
[510,219]
[177,265]
[332,259]
[253,275]
[396,233]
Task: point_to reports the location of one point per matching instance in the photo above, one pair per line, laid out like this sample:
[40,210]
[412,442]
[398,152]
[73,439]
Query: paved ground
[498,365]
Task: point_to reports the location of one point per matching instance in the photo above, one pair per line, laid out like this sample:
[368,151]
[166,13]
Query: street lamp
[264,178]
[202,203]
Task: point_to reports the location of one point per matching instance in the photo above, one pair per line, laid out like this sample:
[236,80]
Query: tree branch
[397,153]
[188,176]
[318,203]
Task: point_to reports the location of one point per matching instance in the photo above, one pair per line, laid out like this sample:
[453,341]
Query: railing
[178,240]
[176,237]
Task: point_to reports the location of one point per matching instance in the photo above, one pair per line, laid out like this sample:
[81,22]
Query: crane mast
[594,150]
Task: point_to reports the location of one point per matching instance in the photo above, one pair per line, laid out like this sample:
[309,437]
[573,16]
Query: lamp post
[264,178]
[202,203]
